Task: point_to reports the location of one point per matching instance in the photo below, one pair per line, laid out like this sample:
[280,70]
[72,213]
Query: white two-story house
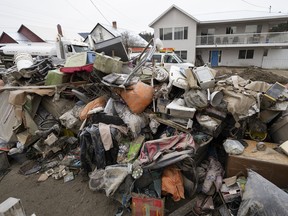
[241,38]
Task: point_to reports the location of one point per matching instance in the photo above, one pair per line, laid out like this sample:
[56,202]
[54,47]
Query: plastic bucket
[216,98]
[23,60]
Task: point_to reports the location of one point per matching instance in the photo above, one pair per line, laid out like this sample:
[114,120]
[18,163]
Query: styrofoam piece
[284,147]
[204,77]
[12,206]
[177,108]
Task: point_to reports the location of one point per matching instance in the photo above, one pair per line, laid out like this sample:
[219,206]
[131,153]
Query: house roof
[19,38]
[238,16]
[168,10]
[84,34]
[50,34]
[116,32]
[226,16]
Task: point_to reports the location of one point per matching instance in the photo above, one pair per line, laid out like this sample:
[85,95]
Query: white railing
[256,38]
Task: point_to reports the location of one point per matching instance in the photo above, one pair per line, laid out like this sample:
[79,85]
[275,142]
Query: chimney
[114,24]
[59,29]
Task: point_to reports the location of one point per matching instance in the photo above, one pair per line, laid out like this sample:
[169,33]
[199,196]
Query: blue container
[91,56]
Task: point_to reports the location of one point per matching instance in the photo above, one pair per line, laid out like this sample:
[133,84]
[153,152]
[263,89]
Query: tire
[8,64]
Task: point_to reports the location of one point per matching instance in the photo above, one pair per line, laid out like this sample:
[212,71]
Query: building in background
[242,38]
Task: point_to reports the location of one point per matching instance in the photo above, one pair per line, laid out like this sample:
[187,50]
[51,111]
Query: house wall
[100,34]
[276,58]
[230,57]
[220,28]
[175,18]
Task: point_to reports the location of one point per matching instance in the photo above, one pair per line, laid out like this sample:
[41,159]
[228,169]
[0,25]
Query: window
[265,52]
[219,56]
[253,29]
[165,33]
[182,54]
[169,59]
[246,54]
[156,58]
[211,31]
[180,33]
[231,30]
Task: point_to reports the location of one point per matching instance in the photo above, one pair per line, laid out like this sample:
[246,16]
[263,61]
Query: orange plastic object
[98,102]
[172,182]
[137,96]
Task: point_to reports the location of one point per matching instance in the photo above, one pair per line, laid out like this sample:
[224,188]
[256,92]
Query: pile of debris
[145,135]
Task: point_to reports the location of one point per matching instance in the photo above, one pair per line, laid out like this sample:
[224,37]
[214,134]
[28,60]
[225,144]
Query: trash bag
[109,179]
[134,122]
[262,198]
[196,98]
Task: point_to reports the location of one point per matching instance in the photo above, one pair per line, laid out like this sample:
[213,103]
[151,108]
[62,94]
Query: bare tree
[129,40]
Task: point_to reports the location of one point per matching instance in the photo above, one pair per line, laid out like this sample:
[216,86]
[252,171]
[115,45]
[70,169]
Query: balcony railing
[233,39]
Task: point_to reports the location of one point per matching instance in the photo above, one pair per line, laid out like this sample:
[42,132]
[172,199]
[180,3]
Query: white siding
[230,57]
[177,19]
[276,58]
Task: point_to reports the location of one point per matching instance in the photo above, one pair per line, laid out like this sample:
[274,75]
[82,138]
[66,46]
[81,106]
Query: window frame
[182,53]
[164,33]
[246,54]
[174,33]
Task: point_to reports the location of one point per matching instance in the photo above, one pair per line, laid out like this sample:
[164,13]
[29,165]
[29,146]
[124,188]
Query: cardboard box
[271,164]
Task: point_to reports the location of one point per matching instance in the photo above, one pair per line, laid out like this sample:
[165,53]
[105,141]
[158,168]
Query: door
[214,58]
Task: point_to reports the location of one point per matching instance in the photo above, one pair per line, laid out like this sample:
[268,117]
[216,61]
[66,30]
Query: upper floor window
[180,33]
[165,33]
[246,54]
[253,29]
[177,33]
[231,30]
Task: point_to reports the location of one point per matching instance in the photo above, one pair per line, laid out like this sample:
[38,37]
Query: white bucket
[23,60]
[216,98]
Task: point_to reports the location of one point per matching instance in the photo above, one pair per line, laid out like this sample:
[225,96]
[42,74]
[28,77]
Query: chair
[235,40]
[225,40]
[218,40]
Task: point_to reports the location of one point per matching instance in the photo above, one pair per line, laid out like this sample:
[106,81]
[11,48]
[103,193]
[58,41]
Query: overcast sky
[82,16]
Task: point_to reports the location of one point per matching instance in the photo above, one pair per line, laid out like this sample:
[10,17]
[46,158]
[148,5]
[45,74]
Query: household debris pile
[145,135]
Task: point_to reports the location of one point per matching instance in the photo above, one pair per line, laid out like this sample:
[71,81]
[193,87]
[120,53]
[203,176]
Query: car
[169,59]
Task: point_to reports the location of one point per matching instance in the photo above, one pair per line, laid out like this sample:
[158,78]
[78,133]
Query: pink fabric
[152,149]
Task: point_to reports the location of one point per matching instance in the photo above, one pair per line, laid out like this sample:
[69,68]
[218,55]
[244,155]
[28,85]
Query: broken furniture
[269,163]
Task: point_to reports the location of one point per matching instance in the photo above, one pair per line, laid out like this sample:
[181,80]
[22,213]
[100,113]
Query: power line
[99,11]
[78,10]
[254,4]
[131,21]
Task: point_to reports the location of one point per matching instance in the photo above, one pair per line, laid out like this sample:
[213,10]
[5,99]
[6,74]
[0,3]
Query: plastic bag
[262,198]
[134,122]
[233,147]
[108,179]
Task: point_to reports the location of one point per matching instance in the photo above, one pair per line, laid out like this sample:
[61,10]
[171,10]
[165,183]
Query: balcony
[238,40]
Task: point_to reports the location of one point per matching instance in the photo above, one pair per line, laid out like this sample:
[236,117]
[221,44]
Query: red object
[85,68]
[142,206]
